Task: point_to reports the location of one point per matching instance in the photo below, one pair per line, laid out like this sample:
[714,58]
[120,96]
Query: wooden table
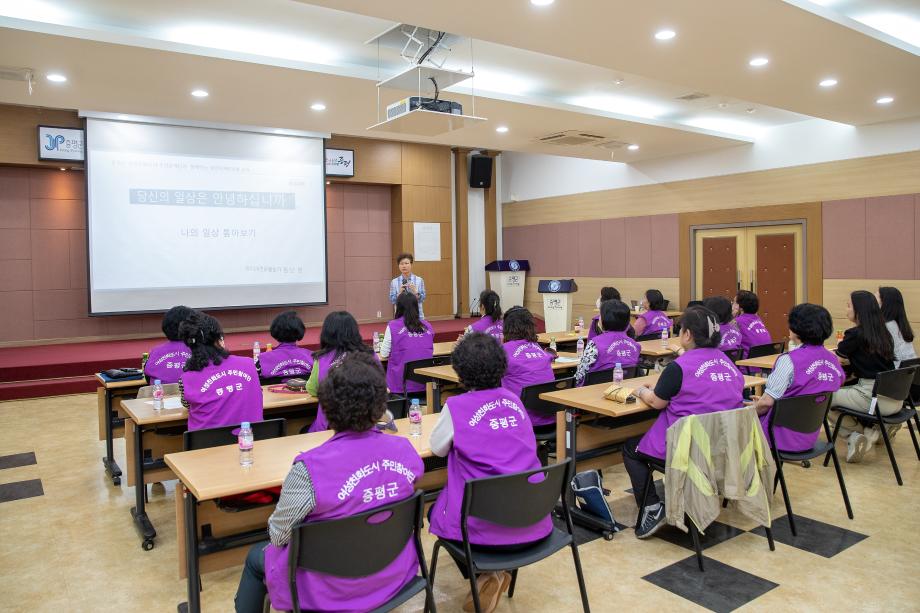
[142,418]
[625,420]
[766,362]
[651,348]
[208,474]
[110,422]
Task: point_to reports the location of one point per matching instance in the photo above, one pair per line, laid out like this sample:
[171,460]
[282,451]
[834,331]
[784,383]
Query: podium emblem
[513,265]
[555,286]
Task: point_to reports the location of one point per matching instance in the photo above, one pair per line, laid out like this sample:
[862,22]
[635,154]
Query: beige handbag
[620,393]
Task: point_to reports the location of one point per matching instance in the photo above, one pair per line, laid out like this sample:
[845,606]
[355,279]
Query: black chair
[409,369]
[606,375]
[759,351]
[915,388]
[530,397]
[648,337]
[896,385]
[223,435]
[362,545]
[514,501]
[733,354]
[397,407]
[804,414]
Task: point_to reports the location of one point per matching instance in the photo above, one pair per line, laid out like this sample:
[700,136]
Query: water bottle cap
[415,401]
[157,382]
[245,424]
[619,365]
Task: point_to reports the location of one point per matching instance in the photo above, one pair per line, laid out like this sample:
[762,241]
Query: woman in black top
[869,348]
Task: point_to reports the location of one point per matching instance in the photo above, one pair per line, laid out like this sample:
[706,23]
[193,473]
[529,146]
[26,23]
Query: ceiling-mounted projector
[406,105]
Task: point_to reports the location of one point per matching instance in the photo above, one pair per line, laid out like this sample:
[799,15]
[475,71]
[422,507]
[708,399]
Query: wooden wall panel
[883,175]
[19,132]
[589,288]
[425,203]
[376,161]
[491,220]
[462,233]
[425,165]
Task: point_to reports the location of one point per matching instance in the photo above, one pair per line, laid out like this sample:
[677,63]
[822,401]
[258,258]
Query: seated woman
[702,380]
[731,336]
[810,369]
[895,316]
[339,337]
[490,321]
[218,389]
[287,359]
[612,345]
[654,319]
[406,338]
[753,331]
[166,360]
[870,349]
[607,293]
[527,363]
[483,433]
[354,397]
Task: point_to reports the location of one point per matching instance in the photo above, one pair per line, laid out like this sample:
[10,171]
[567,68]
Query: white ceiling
[539,70]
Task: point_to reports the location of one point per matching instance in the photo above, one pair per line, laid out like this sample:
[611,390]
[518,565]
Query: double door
[767,260]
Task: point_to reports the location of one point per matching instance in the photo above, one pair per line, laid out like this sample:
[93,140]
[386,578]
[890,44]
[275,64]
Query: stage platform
[69,368]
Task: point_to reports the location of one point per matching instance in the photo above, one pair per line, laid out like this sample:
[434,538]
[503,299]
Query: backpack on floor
[589,495]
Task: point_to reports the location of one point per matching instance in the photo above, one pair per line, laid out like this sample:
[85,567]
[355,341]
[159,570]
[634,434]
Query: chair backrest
[732,354]
[514,500]
[530,396]
[397,407]
[895,384]
[606,375]
[803,413]
[223,435]
[665,305]
[169,389]
[648,337]
[759,351]
[358,545]
[409,367]
[911,363]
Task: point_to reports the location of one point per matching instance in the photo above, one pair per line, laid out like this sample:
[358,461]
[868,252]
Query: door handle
[752,280]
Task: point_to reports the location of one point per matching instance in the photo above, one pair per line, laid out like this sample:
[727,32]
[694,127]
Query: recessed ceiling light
[63,169]
[199,93]
[885,100]
[541,2]
[633,147]
[278,131]
[123,117]
[665,34]
[501,129]
[318,106]
[55,77]
[759,61]
[828,83]
[618,82]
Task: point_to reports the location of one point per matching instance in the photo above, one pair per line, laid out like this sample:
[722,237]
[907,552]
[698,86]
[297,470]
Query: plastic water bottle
[157,395]
[376,342]
[245,441]
[664,338]
[256,350]
[580,346]
[415,419]
[552,343]
[618,373]
[579,324]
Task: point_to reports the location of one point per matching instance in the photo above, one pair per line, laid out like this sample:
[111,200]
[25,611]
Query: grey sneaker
[892,430]
[650,523]
[872,435]
[856,447]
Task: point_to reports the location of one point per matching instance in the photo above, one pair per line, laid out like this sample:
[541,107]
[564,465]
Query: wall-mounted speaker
[481,171]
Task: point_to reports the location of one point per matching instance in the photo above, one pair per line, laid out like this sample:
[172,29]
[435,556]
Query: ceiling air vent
[611,145]
[8,73]
[571,138]
[693,96]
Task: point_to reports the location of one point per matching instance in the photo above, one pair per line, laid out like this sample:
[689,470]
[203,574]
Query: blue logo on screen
[555,286]
[54,141]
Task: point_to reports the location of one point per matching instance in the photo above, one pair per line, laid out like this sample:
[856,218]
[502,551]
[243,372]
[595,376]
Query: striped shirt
[297,500]
[781,377]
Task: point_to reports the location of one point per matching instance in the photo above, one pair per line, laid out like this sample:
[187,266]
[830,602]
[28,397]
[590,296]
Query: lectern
[557,303]
[506,278]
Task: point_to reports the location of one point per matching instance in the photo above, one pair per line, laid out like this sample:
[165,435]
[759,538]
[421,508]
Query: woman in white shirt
[892,303]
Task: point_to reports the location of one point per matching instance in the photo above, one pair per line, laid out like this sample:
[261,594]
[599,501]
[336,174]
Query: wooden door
[720,258]
[774,279]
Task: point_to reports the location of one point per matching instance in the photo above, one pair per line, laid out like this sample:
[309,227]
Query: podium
[557,303]
[506,278]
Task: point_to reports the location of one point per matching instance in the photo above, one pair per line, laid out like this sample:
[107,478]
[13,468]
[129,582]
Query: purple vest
[753,332]
[594,326]
[324,363]
[224,395]
[489,326]
[613,347]
[710,383]
[655,321]
[528,364]
[731,337]
[286,360]
[406,346]
[166,362]
[492,436]
[353,472]
[814,370]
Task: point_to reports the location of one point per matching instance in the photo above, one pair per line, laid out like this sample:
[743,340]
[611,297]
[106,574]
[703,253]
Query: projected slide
[203,217]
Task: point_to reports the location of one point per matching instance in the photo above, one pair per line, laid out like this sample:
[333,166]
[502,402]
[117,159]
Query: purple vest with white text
[613,347]
[528,364]
[487,325]
[731,336]
[286,360]
[814,370]
[353,472]
[655,321]
[492,436]
[406,346]
[753,332]
[224,395]
[710,383]
[166,362]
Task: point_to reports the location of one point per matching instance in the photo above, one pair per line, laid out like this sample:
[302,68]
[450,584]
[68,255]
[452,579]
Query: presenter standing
[407,282]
